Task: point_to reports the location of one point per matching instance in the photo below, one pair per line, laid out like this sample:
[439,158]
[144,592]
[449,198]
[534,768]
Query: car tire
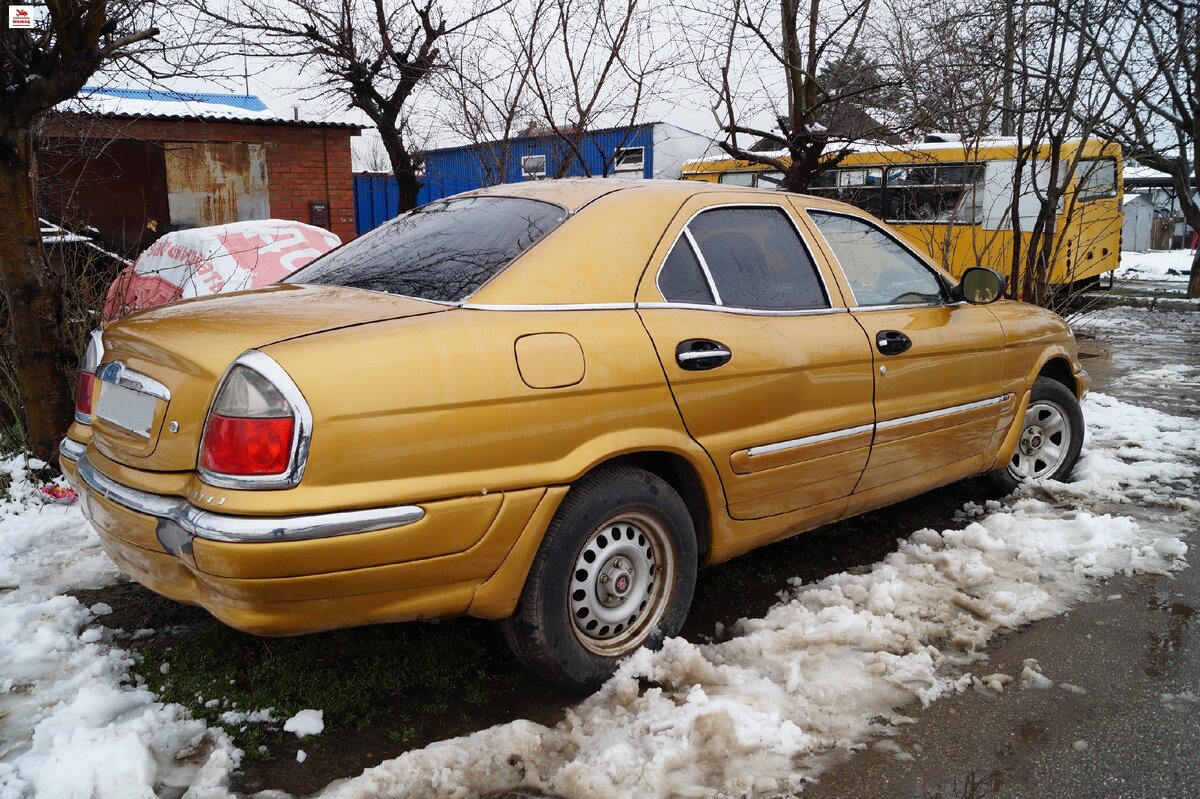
[1051,438]
[614,572]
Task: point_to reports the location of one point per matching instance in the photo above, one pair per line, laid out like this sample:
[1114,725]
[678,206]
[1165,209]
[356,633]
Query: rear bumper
[202,523]
[299,574]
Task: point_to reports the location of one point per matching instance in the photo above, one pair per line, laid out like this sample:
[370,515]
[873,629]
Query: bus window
[941,193]
[824,184]
[737,178]
[770,180]
[1097,178]
[862,188]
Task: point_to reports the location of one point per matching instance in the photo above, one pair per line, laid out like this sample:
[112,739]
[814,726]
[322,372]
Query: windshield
[443,251]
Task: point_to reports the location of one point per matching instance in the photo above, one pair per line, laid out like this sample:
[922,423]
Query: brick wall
[304,164]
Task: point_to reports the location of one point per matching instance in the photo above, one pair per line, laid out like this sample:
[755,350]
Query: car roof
[617,225]
[575,193]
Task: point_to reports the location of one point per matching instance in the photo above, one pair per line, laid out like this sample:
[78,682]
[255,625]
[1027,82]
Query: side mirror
[980,285]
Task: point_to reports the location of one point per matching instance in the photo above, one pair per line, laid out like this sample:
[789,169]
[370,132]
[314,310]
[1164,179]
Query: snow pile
[1166,265]
[43,547]
[73,726]
[306,722]
[828,668]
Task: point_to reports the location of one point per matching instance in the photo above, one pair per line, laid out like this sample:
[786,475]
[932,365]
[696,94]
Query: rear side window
[443,251]
[752,255]
[682,279]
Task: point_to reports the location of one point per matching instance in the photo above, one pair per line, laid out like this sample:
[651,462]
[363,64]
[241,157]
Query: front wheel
[1051,438]
[615,572]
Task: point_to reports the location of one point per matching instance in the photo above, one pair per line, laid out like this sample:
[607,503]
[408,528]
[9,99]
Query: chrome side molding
[819,438]
[246,529]
[832,435]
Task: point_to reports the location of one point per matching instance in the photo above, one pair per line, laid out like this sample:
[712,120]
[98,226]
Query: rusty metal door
[213,183]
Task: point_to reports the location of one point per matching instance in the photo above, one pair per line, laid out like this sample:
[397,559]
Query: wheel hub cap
[1031,439]
[1044,444]
[620,586]
[615,580]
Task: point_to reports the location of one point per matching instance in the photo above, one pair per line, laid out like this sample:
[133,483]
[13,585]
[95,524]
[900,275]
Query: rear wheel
[615,572]
[1051,438]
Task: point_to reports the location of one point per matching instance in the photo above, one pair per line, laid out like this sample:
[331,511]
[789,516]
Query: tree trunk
[403,167]
[1193,289]
[41,359]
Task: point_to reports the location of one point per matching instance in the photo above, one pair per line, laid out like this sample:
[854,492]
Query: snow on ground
[827,670]
[73,725]
[1167,265]
[832,666]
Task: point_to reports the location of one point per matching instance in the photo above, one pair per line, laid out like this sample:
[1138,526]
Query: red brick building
[135,163]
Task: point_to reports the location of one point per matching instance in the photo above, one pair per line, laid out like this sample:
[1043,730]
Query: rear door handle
[892,342]
[698,354]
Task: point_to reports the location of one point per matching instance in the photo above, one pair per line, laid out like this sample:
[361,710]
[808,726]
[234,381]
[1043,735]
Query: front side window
[1097,178]
[443,251]
[753,256]
[879,270]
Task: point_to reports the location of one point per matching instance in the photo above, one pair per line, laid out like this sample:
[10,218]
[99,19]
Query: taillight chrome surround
[269,368]
[92,356]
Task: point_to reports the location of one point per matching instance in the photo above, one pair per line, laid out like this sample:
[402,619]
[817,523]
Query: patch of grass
[405,732]
[359,677]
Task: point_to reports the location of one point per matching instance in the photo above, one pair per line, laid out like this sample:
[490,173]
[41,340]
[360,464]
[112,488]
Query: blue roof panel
[246,102]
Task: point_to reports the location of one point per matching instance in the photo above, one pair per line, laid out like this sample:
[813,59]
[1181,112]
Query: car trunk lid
[162,366]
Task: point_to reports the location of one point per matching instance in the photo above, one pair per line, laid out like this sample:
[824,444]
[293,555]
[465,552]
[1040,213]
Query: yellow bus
[954,201]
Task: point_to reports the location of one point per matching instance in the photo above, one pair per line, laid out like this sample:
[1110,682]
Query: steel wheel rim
[1044,443]
[610,617]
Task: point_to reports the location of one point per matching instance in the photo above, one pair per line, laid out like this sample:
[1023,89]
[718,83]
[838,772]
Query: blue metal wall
[460,169]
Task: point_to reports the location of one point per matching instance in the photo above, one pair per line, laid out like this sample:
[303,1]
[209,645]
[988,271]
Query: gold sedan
[549,403]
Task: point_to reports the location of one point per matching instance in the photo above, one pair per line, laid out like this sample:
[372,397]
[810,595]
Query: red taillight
[92,356]
[257,431]
[83,394]
[245,446]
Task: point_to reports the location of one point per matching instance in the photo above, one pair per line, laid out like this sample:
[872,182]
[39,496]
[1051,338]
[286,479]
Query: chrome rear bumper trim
[71,449]
[246,529]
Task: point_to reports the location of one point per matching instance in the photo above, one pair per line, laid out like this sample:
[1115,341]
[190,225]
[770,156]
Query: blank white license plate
[124,407]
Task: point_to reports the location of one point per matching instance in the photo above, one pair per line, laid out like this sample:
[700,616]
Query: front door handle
[698,354]
[892,342]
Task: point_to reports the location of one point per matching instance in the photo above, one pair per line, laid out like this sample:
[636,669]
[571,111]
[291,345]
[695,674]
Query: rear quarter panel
[424,409]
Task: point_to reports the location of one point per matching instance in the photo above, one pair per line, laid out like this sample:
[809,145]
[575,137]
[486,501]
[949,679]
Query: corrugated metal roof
[247,102]
[180,106]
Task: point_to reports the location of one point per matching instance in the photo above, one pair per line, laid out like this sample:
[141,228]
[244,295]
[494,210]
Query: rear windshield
[443,251]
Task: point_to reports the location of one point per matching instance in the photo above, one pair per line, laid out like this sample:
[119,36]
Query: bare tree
[948,81]
[813,45]
[40,67]
[1147,55]
[486,96]
[595,63]
[373,54]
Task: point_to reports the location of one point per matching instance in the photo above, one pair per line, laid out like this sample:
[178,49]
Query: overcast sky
[287,88]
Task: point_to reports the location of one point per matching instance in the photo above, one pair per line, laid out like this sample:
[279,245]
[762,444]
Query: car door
[940,398]
[771,373]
